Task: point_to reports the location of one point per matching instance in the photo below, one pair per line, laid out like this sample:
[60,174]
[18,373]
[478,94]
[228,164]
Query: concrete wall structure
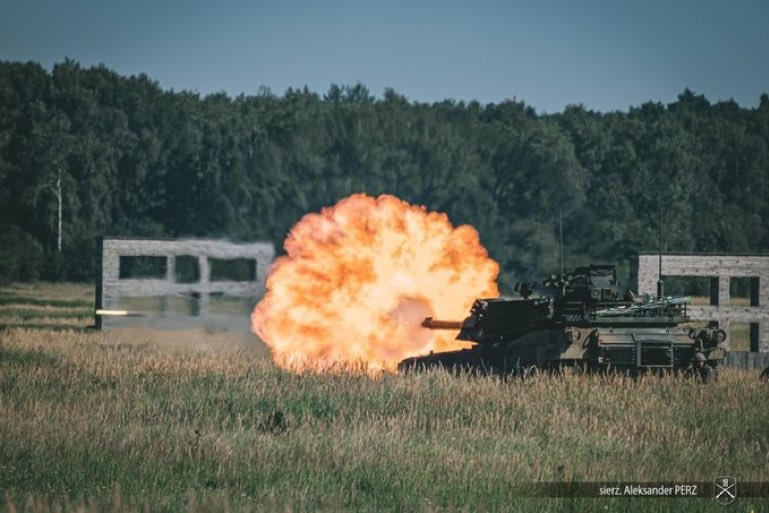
[720,269]
[112,290]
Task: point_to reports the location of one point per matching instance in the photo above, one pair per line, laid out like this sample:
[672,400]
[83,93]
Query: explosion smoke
[359,278]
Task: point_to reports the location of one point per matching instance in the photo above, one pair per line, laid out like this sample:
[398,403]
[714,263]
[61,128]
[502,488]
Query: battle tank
[584,325]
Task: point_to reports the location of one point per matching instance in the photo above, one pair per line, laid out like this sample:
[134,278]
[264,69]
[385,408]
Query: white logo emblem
[725,490]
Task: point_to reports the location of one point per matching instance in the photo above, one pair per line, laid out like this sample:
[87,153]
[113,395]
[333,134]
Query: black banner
[702,489]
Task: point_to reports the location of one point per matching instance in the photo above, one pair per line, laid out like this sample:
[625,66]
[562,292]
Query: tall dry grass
[194,420]
[170,421]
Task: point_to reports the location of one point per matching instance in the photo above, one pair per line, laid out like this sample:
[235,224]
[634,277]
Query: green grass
[27,314]
[46,307]
[107,418]
[11,299]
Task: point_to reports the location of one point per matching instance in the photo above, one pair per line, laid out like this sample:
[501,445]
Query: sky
[603,54]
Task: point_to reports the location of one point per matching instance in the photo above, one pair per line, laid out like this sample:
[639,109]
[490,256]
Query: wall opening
[137,267]
[698,287]
[754,345]
[739,291]
[232,269]
[143,304]
[184,304]
[739,336]
[186,269]
[224,304]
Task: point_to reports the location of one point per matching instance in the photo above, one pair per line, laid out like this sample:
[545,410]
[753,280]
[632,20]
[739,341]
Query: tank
[581,324]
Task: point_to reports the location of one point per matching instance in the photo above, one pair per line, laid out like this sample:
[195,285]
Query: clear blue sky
[606,55]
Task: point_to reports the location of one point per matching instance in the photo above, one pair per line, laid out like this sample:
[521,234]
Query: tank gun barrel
[435,324]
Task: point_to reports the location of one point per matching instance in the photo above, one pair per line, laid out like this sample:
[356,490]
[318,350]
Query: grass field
[47,305]
[143,420]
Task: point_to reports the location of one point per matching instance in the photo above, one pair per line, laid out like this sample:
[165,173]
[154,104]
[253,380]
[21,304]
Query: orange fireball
[359,278]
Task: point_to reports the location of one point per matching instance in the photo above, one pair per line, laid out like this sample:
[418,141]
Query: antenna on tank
[660,282]
[560,239]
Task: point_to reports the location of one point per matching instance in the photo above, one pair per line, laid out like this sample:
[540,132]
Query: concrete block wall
[722,268]
[111,288]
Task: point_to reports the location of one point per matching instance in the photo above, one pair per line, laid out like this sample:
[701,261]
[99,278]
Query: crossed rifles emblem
[725,490]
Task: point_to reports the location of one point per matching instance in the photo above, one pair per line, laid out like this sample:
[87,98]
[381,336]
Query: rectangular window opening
[739,336]
[754,333]
[233,269]
[698,287]
[740,291]
[222,304]
[187,269]
[138,267]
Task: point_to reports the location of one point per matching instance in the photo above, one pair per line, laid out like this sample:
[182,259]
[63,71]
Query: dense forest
[120,156]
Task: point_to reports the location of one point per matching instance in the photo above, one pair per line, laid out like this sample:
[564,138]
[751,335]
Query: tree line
[86,152]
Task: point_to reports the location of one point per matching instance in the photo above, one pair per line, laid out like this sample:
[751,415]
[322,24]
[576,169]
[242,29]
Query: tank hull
[628,350]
